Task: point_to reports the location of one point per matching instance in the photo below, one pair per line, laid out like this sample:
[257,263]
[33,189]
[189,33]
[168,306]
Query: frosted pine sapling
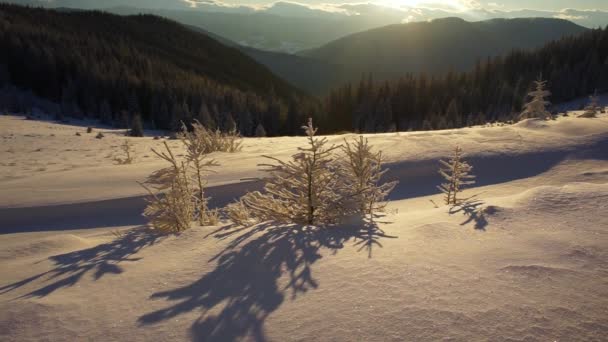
[456,172]
[174,210]
[129,152]
[302,190]
[536,108]
[363,171]
[197,153]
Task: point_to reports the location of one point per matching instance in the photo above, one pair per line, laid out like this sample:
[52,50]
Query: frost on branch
[173,210]
[363,171]
[304,190]
[456,172]
[536,108]
[239,213]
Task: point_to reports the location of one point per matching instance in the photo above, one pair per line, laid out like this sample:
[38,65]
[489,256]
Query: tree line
[494,90]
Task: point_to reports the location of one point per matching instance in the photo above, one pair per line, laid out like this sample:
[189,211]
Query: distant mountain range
[391,51]
[439,45]
[290,26]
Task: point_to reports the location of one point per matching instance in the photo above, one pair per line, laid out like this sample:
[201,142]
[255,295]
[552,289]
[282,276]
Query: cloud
[378,12]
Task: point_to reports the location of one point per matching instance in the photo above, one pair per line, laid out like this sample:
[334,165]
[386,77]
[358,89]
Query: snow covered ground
[525,260]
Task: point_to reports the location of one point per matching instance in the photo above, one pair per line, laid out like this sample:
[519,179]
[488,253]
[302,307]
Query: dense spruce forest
[119,68]
[495,90]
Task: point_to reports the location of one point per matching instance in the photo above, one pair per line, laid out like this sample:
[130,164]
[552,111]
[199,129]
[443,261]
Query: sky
[589,13]
[548,5]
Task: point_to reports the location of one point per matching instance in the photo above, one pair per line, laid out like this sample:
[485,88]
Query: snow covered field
[525,260]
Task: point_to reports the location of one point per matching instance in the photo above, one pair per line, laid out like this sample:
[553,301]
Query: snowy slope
[525,260]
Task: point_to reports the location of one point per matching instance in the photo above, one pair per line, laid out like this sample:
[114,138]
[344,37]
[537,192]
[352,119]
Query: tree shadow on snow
[244,288]
[472,209]
[98,261]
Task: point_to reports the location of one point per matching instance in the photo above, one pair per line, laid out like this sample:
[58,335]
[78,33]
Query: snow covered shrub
[174,210]
[212,141]
[536,108]
[304,190]
[592,108]
[456,172]
[129,153]
[362,170]
[197,153]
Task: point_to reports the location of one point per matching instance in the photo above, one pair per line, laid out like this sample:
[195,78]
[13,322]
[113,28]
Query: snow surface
[526,259]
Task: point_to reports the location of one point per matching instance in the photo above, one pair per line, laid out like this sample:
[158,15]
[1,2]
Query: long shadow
[118,212]
[244,289]
[98,261]
[415,176]
[474,213]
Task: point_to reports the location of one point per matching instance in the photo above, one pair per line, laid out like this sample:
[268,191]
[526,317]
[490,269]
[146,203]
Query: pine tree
[205,117]
[456,172]
[174,210]
[536,108]
[229,123]
[137,127]
[593,107]
[197,153]
[363,170]
[303,190]
[129,153]
[260,132]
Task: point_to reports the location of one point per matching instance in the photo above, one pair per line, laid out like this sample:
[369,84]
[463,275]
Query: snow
[525,260]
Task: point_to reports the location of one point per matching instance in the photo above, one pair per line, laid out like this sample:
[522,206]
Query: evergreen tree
[260,132]
[173,211]
[137,127]
[593,107]
[197,155]
[303,190]
[456,172]
[536,108]
[363,170]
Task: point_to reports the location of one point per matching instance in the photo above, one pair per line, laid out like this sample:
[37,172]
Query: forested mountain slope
[99,64]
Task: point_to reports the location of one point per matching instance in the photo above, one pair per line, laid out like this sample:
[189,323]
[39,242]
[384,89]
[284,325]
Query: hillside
[438,46]
[143,64]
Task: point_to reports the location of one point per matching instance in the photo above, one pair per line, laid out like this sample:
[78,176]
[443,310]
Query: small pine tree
[536,108]
[129,152]
[197,153]
[303,190]
[593,107]
[456,172]
[260,132]
[363,171]
[173,211]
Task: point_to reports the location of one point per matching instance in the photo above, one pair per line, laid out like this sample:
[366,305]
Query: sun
[458,5]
